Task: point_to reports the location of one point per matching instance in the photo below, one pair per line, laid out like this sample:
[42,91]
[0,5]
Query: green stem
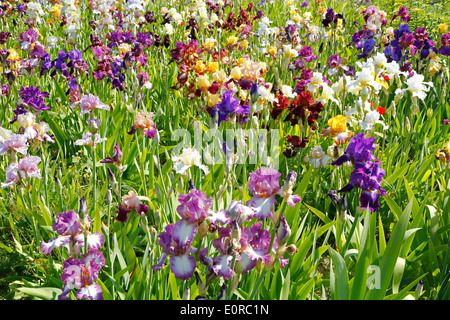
[108,239]
[94,177]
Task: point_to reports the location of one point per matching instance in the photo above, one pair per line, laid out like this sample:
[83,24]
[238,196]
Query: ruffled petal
[184,233]
[182,266]
[92,292]
[293,200]
[221,216]
[181,167]
[245,264]
[56,242]
[259,254]
[222,267]
[262,207]
[95,241]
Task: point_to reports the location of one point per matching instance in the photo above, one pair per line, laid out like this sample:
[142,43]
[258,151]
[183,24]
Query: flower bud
[58,182]
[156,162]
[83,208]
[283,231]
[108,197]
[269,266]
[292,249]
[105,228]
[112,178]
[191,185]
[157,217]
[222,189]
[235,230]
[187,294]
[408,124]
[94,125]
[157,137]
[158,193]
[255,121]
[212,227]
[144,223]
[202,230]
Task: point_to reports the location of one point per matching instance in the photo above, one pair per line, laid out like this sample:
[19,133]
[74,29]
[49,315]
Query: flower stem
[94,177]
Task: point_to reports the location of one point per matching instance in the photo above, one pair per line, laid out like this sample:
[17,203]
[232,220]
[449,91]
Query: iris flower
[176,242]
[367,174]
[188,158]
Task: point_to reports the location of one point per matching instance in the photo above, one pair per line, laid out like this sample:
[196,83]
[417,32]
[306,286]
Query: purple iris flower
[263,184]
[68,226]
[80,274]
[445,41]
[228,105]
[367,47]
[307,53]
[195,206]
[116,157]
[144,38]
[176,240]
[33,97]
[367,174]
[359,150]
[75,55]
[21,8]
[305,4]
[334,61]
[29,36]
[255,241]
[403,14]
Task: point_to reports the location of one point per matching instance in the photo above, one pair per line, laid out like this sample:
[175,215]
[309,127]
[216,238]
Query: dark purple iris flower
[367,47]
[367,174]
[403,14]
[307,53]
[116,157]
[228,105]
[144,38]
[334,61]
[445,41]
[33,97]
